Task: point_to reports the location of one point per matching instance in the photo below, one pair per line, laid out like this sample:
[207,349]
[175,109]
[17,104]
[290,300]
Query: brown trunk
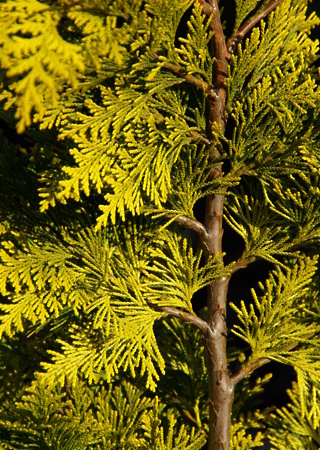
[220,385]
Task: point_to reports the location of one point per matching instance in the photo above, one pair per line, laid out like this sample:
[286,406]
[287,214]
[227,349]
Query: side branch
[243,263]
[198,137]
[193,224]
[207,8]
[65,244]
[198,82]
[182,315]
[238,376]
[250,23]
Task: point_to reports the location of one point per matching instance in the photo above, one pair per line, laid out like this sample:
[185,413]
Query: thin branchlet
[249,24]
[182,315]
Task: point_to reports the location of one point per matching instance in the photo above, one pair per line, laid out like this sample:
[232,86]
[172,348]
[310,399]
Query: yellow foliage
[38,60]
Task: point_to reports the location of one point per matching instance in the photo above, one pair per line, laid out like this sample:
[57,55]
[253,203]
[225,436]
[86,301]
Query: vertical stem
[220,385]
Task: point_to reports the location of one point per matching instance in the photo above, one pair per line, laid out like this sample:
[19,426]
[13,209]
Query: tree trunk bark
[219,383]
[220,386]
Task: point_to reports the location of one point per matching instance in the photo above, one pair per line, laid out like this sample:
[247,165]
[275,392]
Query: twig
[207,8]
[249,24]
[242,373]
[186,317]
[196,136]
[193,224]
[242,264]
[198,82]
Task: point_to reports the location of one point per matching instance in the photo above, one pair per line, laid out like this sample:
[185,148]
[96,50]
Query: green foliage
[81,418]
[245,441]
[108,146]
[185,361]
[33,49]
[271,48]
[194,54]
[297,425]
[283,293]
[251,218]
[285,315]
[110,276]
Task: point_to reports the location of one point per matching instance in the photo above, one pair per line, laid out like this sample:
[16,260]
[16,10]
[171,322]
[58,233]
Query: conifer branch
[207,8]
[194,135]
[243,263]
[198,137]
[182,315]
[65,244]
[195,81]
[192,224]
[249,24]
[242,373]
[198,82]
[118,280]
